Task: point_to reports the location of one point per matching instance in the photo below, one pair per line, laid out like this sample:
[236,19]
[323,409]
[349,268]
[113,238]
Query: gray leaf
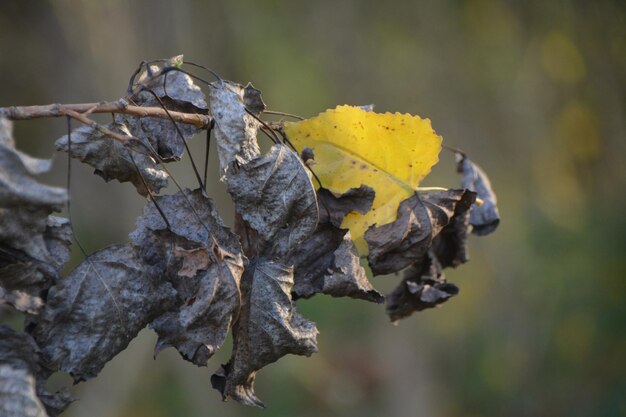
[327,262]
[178,92]
[92,314]
[32,165]
[334,208]
[396,245]
[24,203]
[202,259]
[23,278]
[267,329]
[18,396]
[424,286]
[112,160]
[450,245]
[275,196]
[235,129]
[22,381]
[484,218]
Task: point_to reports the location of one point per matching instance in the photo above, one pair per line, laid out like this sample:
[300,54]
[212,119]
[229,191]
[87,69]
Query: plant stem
[120,106]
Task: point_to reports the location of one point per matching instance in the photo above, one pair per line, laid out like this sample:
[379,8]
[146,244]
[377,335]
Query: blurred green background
[534,91]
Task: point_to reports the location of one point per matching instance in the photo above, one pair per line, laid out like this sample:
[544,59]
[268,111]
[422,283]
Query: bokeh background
[534,91]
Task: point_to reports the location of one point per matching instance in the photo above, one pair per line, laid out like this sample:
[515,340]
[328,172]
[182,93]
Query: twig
[201,121]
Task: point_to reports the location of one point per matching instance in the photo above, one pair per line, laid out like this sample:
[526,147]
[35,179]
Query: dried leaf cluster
[184,273]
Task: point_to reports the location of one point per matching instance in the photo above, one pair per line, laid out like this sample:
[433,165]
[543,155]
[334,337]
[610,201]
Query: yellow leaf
[389,152]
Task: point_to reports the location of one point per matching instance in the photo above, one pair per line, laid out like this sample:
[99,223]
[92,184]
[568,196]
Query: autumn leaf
[92,314]
[23,390]
[390,153]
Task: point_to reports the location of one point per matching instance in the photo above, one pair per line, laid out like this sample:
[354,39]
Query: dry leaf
[484,218]
[23,391]
[112,160]
[206,276]
[92,314]
[274,195]
[268,328]
[235,129]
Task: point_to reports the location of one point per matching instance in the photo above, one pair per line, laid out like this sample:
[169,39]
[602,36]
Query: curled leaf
[327,262]
[424,286]
[235,129]
[24,203]
[391,153]
[202,259]
[23,390]
[267,329]
[112,160]
[394,246]
[92,314]
[177,92]
[274,195]
[484,218]
[23,278]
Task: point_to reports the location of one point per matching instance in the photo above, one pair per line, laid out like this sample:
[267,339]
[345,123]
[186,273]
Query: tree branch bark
[120,106]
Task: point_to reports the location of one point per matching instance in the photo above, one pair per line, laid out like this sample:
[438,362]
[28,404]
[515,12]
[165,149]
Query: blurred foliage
[534,91]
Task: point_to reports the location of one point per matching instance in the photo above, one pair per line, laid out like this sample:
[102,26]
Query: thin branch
[201,121]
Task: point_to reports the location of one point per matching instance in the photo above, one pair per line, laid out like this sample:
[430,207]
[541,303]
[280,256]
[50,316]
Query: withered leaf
[18,396]
[274,195]
[202,259]
[327,262]
[450,245]
[334,208]
[484,218]
[267,329]
[23,278]
[22,381]
[396,245]
[235,129]
[424,286]
[92,314]
[178,92]
[112,160]
[24,203]
[32,165]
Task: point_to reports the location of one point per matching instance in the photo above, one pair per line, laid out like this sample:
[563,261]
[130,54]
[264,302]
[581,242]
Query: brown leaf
[396,245]
[194,260]
[267,329]
[327,262]
[424,286]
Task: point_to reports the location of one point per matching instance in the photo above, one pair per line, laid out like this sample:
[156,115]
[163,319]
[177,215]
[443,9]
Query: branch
[120,106]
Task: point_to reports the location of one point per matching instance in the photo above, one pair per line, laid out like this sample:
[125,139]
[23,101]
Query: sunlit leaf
[389,152]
